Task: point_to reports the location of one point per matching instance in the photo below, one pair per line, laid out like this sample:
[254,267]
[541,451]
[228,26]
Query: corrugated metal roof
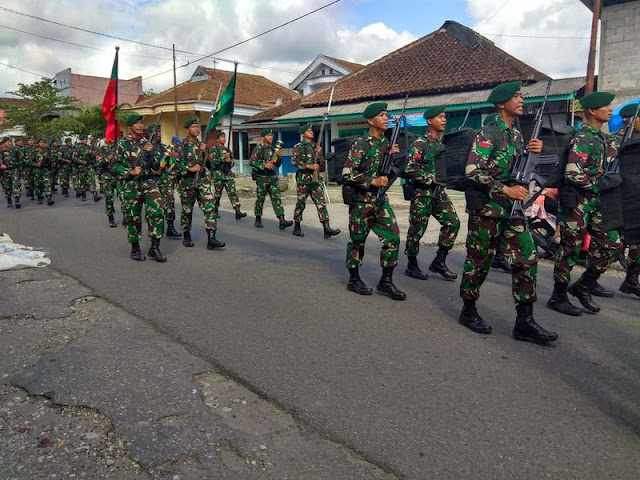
[560,89]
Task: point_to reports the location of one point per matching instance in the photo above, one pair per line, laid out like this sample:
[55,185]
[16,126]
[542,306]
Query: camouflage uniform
[104,162]
[223,177]
[266,180]
[28,173]
[303,155]
[585,165]
[10,178]
[360,169]
[489,169]
[40,165]
[136,194]
[428,199]
[189,153]
[55,154]
[84,158]
[66,155]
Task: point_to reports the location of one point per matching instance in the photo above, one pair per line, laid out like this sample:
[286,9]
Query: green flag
[225,104]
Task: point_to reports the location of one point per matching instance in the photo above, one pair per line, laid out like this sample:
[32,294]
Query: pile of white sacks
[13,255]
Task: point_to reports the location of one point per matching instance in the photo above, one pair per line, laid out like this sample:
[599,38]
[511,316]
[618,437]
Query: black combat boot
[40,199]
[136,254]
[112,222]
[470,318]
[500,263]
[83,196]
[356,284]
[559,301]
[154,251]
[630,284]
[582,288]
[171,231]
[328,231]
[65,192]
[9,202]
[386,287]
[212,241]
[439,265]
[599,291]
[216,214]
[239,214]
[31,195]
[528,330]
[50,200]
[258,222]
[284,223]
[124,220]
[96,197]
[413,270]
[297,231]
[186,239]
[78,193]
[17,202]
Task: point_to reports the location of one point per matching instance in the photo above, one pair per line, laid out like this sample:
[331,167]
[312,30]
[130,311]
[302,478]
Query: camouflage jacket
[261,155]
[27,151]
[189,157]
[7,158]
[55,154]
[304,155]
[492,154]
[83,153]
[17,157]
[66,155]
[104,159]
[220,167]
[39,159]
[362,164]
[587,158]
[422,155]
[129,155]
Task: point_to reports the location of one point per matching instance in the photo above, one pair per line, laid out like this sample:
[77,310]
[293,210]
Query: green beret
[190,122]
[133,118]
[152,128]
[374,109]
[433,111]
[67,140]
[41,140]
[304,128]
[504,92]
[266,131]
[220,133]
[83,136]
[597,99]
[628,111]
[4,140]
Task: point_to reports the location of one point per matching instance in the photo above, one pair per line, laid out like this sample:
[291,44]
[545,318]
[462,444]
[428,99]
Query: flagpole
[230,139]
[115,141]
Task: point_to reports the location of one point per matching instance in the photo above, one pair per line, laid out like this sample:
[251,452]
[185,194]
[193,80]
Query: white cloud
[557,57]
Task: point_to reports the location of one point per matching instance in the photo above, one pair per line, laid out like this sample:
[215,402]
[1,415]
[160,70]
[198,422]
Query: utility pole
[175,92]
[591,64]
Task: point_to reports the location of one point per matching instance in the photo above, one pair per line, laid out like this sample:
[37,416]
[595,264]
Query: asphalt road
[399,382]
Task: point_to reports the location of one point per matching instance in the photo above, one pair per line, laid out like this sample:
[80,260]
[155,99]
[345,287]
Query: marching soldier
[264,161]
[40,164]
[104,162]
[55,154]
[17,160]
[490,202]
[190,166]
[139,188]
[361,174]
[304,159]
[9,172]
[223,177]
[429,198]
[66,161]
[27,171]
[84,158]
[580,210]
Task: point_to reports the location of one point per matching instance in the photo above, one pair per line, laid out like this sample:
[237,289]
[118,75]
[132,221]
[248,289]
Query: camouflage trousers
[28,174]
[10,183]
[111,185]
[42,182]
[136,195]
[424,206]
[264,186]
[188,198]
[485,235]
[55,172]
[315,190]
[229,185]
[74,176]
[167,186]
[64,176]
[86,179]
[574,223]
[367,216]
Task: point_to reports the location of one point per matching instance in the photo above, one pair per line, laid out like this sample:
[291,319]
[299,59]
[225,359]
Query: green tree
[93,123]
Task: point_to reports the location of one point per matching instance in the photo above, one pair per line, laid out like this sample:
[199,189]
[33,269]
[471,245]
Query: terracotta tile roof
[251,90]
[282,109]
[453,58]
[14,102]
[354,67]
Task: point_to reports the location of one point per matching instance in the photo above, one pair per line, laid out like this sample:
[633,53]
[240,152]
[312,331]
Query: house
[619,62]
[196,98]
[90,90]
[13,131]
[321,72]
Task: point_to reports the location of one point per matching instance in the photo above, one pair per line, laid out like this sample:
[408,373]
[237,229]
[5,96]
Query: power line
[495,13]
[23,70]
[531,36]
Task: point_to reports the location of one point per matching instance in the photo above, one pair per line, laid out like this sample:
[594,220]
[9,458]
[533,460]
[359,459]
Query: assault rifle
[524,169]
[614,167]
[146,157]
[207,130]
[316,155]
[387,164]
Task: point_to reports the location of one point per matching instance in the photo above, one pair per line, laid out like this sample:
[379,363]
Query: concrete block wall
[619,66]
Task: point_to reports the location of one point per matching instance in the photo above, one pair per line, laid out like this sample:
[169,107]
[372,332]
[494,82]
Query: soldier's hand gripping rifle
[207,130]
[386,167]
[525,168]
[317,160]
[614,167]
[146,157]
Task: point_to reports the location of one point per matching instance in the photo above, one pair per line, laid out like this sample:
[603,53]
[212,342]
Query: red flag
[111,101]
